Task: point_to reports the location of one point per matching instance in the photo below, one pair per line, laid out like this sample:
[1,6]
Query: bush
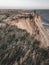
[16,44]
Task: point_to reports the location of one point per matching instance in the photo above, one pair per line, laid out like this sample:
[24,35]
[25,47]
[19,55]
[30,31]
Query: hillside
[23,39]
[30,22]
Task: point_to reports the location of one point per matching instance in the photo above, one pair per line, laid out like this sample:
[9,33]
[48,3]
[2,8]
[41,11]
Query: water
[44,15]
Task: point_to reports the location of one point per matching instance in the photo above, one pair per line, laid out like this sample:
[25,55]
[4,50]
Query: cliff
[23,39]
[32,23]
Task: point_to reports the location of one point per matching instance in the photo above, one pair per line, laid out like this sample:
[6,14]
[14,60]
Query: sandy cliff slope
[32,24]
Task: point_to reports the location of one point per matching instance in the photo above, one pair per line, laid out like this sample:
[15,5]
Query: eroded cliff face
[32,24]
[23,39]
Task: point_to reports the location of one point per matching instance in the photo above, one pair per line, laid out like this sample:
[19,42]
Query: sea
[44,14]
